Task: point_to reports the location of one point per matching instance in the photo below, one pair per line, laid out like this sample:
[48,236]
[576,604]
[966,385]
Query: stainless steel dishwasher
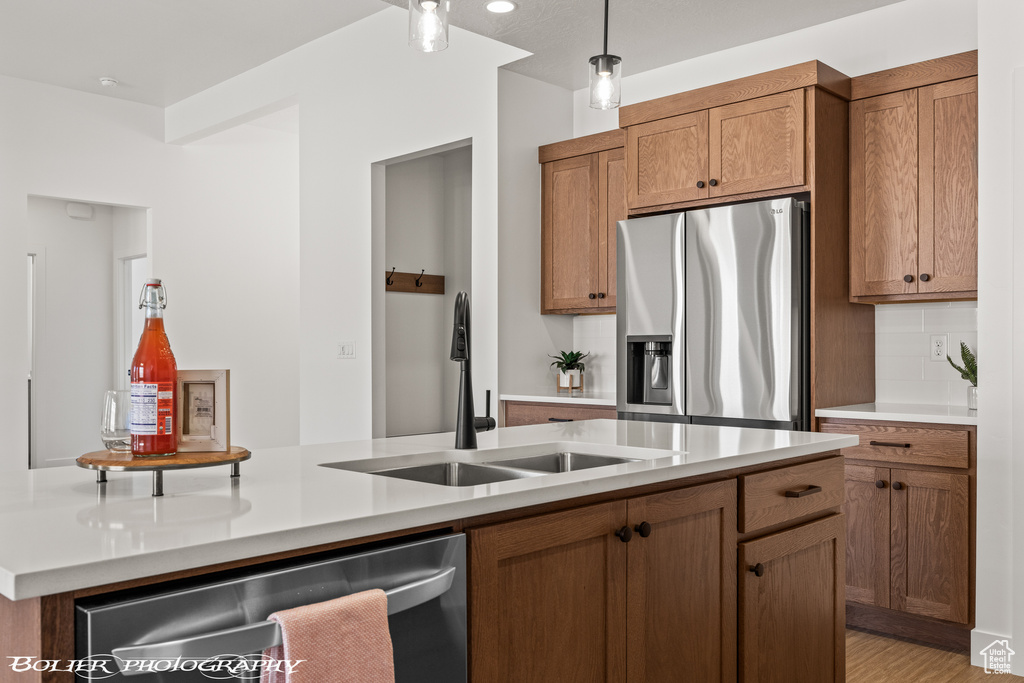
[225,616]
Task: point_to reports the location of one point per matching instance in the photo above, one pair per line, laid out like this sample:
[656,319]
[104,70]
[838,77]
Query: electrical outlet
[346,350]
[938,348]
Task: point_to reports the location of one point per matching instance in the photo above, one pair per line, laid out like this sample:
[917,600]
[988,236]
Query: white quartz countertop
[60,531]
[586,398]
[903,412]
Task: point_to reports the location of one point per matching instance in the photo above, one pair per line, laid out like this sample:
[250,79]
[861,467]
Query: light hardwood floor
[873,658]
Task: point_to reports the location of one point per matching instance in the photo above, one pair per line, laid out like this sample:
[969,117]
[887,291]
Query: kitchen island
[62,536]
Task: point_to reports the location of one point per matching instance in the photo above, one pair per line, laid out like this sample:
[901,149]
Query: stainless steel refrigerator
[713,316]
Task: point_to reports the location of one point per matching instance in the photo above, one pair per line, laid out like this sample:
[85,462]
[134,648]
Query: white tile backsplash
[596,334]
[904,372]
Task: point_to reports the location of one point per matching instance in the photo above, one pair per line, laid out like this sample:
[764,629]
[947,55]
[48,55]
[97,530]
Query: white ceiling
[162,51]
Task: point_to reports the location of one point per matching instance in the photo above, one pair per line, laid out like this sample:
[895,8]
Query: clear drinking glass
[114,428]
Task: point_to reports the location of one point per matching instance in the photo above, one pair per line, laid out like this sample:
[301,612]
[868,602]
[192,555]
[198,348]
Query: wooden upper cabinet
[883,197]
[757,145]
[667,160]
[914,187]
[582,200]
[949,186]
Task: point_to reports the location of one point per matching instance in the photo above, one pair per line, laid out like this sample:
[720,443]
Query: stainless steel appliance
[207,618]
[712,316]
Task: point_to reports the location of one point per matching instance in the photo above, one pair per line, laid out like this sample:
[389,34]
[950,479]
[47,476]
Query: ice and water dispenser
[649,377]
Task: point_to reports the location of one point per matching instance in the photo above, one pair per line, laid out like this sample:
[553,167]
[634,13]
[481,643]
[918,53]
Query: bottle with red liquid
[154,381]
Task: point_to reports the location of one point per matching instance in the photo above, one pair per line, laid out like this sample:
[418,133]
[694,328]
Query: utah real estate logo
[997,657]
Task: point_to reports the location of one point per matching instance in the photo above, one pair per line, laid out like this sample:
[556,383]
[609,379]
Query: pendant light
[428,25]
[605,74]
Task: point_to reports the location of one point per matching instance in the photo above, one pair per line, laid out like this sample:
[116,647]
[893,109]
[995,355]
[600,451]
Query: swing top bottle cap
[153,282]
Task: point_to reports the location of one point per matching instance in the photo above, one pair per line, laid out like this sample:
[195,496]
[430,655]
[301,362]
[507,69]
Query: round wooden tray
[124,461]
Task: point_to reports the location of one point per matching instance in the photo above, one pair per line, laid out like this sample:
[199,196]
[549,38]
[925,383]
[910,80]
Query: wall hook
[388,279]
[418,283]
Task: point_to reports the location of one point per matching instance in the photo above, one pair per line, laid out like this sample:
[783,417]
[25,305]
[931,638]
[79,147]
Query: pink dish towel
[345,640]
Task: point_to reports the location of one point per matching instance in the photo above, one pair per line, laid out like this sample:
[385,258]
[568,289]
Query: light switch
[346,350]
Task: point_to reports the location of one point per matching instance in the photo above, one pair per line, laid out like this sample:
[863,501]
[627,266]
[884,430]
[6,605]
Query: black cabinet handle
[925,277]
[889,444]
[908,278]
[880,484]
[700,183]
[600,295]
[559,419]
[644,529]
[624,534]
[712,182]
[897,486]
[810,490]
[758,569]
[591,296]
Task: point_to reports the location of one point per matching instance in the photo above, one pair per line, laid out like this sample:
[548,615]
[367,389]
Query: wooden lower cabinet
[562,597]
[792,618]
[518,413]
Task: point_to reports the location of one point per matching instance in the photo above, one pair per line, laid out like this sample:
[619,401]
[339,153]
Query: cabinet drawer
[521,413]
[773,497]
[909,445]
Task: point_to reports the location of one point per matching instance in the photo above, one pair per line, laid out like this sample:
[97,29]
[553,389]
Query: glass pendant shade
[605,74]
[428,25]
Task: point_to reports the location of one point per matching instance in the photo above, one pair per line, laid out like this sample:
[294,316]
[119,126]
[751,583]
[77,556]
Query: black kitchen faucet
[468,424]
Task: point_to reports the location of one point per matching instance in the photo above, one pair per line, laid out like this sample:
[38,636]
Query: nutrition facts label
[152,408]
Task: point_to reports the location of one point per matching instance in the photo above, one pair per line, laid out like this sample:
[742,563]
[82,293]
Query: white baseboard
[981,640]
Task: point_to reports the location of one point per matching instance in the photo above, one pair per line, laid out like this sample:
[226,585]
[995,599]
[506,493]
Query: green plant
[970,369]
[570,360]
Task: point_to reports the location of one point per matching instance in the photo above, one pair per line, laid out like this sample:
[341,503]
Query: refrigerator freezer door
[744,311]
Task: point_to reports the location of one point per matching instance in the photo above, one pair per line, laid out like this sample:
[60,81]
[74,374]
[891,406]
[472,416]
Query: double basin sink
[474,474]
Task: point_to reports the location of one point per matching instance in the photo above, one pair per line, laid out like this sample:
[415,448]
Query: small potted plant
[570,370]
[969,372]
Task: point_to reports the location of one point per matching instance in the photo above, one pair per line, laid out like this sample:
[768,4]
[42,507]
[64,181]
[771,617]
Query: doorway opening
[422,221]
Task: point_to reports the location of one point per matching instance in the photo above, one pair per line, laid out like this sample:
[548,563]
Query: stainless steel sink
[564,461]
[457,474]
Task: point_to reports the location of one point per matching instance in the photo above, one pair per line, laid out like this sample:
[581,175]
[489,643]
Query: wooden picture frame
[204,416]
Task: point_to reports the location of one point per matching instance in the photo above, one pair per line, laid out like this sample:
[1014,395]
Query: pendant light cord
[605,27]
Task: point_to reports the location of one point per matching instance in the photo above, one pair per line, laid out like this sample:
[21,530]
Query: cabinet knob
[700,183]
[644,529]
[600,295]
[880,484]
[591,296]
[624,534]
[897,486]
[925,277]
[908,278]
[758,569]
[712,182]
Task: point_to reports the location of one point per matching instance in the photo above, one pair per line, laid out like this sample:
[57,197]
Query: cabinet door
[883,194]
[613,210]
[666,159]
[930,544]
[949,186]
[757,145]
[682,586]
[792,616]
[547,598]
[867,535]
[570,245]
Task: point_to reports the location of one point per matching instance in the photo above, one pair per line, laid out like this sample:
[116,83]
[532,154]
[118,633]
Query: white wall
[1000,570]
[218,214]
[530,114]
[74,335]
[366,97]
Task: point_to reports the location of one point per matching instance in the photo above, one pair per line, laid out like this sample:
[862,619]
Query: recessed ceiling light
[501,6]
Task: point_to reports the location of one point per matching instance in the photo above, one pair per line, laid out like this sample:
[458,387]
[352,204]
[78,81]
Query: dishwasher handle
[260,635]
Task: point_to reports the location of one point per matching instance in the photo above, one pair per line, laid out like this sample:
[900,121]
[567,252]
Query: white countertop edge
[903,412]
[115,570]
[576,398]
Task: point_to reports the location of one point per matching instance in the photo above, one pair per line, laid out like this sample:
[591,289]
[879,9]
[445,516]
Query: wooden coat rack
[413,283]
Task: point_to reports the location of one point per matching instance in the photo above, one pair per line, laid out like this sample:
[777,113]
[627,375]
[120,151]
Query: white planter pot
[569,379]
[972,398]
